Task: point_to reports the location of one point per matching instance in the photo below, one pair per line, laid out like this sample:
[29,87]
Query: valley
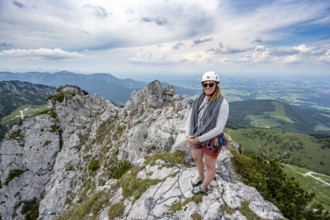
[303,150]
[306,92]
[276,115]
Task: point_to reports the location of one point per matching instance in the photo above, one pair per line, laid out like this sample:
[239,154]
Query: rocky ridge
[64,163]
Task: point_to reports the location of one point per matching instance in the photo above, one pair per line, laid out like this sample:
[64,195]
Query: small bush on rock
[94,165]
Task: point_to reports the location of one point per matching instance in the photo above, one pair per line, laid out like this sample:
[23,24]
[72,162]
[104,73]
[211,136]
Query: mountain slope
[278,115]
[105,85]
[16,93]
[92,159]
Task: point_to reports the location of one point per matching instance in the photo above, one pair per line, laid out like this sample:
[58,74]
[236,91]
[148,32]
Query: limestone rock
[55,161]
[26,164]
[157,201]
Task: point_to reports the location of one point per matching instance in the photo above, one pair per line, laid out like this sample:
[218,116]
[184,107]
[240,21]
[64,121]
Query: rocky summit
[86,158]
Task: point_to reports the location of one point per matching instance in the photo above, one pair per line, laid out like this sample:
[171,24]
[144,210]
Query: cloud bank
[166,35]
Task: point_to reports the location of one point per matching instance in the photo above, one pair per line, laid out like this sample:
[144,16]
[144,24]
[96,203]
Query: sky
[181,38]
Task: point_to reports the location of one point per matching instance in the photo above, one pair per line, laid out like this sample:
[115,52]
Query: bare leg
[197,155]
[210,170]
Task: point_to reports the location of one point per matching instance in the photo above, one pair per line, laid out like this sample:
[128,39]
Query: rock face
[157,201]
[69,157]
[26,164]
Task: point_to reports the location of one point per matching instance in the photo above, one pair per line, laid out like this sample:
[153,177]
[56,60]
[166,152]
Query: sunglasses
[208,84]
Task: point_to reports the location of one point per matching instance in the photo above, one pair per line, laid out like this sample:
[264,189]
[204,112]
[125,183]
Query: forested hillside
[14,94]
[303,150]
[277,115]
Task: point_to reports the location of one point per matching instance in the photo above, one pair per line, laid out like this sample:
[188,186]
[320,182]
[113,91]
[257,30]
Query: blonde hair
[216,94]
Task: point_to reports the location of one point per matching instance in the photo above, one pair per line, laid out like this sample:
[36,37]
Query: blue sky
[166,36]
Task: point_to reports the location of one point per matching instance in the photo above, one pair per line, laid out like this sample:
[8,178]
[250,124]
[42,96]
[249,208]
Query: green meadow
[32,110]
[272,118]
[303,150]
[311,183]
[277,115]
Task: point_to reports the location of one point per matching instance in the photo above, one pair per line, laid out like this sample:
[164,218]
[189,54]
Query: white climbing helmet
[210,75]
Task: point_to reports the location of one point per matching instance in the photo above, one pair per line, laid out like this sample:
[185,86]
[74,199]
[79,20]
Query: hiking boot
[198,181]
[199,190]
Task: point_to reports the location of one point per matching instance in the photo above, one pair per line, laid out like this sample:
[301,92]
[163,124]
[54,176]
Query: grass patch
[90,205]
[321,127]
[87,186]
[116,210]
[280,113]
[12,174]
[226,209]
[172,158]
[177,206]
[49,111]
[118,170]
[134,187]
[247,212]
[94,165]
[53,128]
[46,143]
[30,209]
[60,96]
[196,198]
[262,121]
[196,216]
[16,134]
[104,130]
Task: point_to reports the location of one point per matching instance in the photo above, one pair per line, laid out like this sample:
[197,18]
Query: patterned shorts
[213,151]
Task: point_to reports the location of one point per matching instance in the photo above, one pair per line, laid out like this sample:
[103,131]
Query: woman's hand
[192,141]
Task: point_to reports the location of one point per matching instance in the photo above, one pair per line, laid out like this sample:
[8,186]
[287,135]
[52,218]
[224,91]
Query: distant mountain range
[243,114]
[277,115]
[103,84]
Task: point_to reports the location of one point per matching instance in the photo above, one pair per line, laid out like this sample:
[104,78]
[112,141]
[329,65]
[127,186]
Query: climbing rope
[151,202]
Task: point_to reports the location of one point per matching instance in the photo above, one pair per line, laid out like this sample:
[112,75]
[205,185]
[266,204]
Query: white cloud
[325,57]
[260,54]
[292,58]
[302,48]
[40,53]
[226,50]
[148,57]
[190,31]
[104,24]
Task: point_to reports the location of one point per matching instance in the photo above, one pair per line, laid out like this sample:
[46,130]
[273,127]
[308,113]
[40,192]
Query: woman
[205,124]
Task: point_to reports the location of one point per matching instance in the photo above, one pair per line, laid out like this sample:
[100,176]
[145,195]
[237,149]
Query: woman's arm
[188,124]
